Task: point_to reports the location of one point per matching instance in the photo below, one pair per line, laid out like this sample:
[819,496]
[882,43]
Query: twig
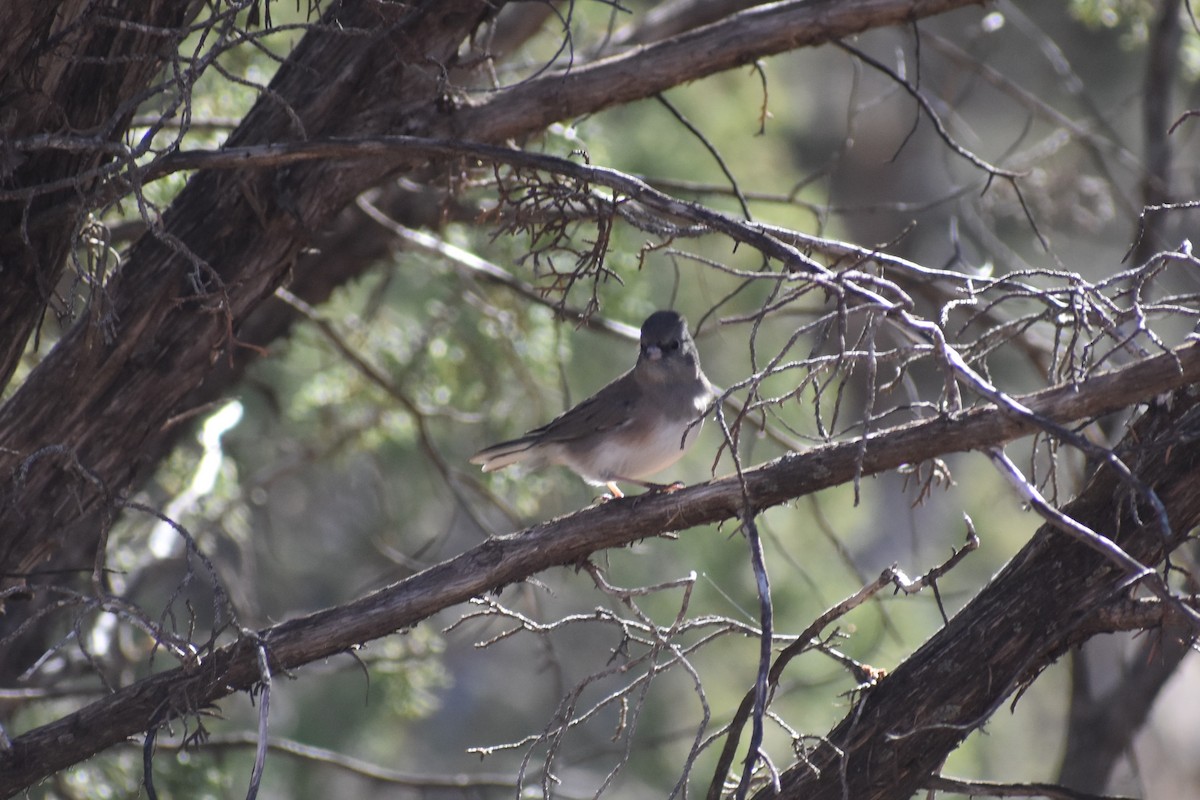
[1135,570]
[1052,791]
[766,614]
[348,764]
[807,640]
[264,708]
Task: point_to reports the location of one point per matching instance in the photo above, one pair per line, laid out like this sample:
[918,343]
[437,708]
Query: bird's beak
[652,352]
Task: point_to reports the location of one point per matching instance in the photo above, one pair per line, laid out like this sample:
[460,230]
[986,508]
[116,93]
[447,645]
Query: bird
[637,425]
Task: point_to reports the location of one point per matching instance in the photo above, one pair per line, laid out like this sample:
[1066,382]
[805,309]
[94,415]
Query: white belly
[621,458]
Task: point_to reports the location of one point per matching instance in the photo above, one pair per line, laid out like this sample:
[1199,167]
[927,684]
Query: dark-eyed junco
[639,424]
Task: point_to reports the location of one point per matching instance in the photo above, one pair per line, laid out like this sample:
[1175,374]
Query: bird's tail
[499,456]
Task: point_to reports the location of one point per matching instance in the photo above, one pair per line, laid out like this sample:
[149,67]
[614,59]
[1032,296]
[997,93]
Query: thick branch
[642,72]
[99,402]
[902,729]
[64,66]
[504,560]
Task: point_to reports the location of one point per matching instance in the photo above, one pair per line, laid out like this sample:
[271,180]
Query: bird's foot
[614,493]
[662,488]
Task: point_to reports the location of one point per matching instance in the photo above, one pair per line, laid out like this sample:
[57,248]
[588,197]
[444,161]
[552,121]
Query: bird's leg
[615,493]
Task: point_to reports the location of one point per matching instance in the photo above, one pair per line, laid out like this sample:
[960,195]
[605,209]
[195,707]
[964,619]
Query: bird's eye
[671,346]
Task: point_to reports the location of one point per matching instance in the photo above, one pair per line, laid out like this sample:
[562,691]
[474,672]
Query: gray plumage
[640,424]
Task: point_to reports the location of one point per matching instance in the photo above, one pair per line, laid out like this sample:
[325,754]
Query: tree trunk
[71,75]
[88,418]
[902,729]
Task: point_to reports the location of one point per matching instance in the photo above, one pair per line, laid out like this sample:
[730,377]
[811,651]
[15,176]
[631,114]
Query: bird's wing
[607,410]
[498,456]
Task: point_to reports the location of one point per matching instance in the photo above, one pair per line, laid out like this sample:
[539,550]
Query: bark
[1019,622]
[645,71]
[901,730]
[76,70]
[88,418]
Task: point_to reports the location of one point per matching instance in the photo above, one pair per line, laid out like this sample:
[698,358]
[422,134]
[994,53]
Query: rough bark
[901,730]
[83,423]
[76,70]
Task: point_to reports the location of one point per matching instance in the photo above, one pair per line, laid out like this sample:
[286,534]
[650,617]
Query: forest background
[273,272]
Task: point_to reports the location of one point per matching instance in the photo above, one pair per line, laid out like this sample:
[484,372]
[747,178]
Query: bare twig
[991,789]
[351,766]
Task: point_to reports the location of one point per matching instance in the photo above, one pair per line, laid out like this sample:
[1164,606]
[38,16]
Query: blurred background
[339,464]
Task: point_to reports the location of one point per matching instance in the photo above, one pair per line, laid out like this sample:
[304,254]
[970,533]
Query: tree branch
[990,789]
[731,42]
[564,541]
[902,729]
[169,316]
[60,66]
[229,239]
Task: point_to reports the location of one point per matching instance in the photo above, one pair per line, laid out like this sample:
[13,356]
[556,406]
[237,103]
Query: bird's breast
[636,453]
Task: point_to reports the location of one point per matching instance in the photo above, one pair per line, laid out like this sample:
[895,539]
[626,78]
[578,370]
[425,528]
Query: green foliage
[1134,16]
